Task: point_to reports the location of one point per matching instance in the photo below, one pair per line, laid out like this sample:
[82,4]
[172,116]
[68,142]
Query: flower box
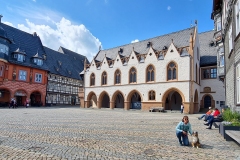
[223,127]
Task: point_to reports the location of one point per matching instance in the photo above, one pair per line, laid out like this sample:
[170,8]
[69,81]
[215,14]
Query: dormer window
[4,49]
[20,58]
[38,61]
[19,55]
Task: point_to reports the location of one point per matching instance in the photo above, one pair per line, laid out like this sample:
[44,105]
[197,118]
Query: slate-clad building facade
[64,79]
[212,91]
[227,25]
[23,73]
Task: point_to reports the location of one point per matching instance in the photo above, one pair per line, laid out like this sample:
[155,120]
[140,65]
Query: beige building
[162,71]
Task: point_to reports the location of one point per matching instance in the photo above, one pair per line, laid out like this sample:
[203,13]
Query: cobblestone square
[59,133]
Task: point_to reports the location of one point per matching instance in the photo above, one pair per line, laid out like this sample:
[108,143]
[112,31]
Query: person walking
[182,107]
[182,129]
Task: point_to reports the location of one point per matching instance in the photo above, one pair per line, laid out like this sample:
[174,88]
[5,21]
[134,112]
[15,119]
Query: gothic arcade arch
[104,100]
[36,98]
[5,96]
[135,99]
[92,99]
[172,99]
[118,99]
[207,101]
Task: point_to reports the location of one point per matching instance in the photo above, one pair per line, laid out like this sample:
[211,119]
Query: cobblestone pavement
[98,134]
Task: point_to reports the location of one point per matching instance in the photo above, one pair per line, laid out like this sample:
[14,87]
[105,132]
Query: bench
[235,135]
[216,124]
[156,109]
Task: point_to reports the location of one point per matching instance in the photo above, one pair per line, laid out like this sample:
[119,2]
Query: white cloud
[134,41]
[8,23]
[169,8]
[73,37]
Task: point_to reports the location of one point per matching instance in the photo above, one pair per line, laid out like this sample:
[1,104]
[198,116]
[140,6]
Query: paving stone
[65,133]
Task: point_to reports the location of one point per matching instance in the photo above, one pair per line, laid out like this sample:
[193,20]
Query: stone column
[111,104]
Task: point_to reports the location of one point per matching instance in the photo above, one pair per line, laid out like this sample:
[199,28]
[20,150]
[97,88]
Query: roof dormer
[19,55]
[38,60]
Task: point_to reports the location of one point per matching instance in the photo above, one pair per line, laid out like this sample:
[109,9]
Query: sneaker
[209,128]
[206,124]
[180,144]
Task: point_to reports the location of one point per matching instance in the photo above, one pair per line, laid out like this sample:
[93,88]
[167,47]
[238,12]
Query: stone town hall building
[162,71]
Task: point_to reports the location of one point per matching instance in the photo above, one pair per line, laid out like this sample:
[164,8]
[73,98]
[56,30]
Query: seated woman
[215,113]
[218,118]
[182,130]
[206,114]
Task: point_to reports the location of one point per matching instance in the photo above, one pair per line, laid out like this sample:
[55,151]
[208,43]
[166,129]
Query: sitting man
[212,119]
[206,114]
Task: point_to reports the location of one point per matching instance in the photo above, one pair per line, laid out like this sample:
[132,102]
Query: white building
[161,71]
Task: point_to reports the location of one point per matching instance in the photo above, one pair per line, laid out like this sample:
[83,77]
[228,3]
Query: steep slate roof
[180,39]
[25,42]
[67,64]
[208,52]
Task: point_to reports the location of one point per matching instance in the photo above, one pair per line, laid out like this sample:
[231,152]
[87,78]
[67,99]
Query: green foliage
[231,116]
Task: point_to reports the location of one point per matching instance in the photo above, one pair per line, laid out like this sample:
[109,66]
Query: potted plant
[231,121]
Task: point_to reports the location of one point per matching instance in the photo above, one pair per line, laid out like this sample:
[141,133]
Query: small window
[210,73]
[92,79]
[150,73]
[37,61]
[20,58]
[172,71]
[132,75]
[22,75]
[151,95]
[104,78]
[38,77]
[4,49]
[117,77]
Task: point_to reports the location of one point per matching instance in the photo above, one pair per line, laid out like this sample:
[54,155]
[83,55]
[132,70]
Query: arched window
[172,71]
[117,77]
[132,75]
[104,78]
[151,95]
[92,79]
[150,73]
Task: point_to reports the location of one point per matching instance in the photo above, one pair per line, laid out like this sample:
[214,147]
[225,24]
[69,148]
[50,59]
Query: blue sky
[84,25]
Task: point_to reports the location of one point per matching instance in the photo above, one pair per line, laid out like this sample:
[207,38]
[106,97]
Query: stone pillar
[186,107]
[126,105]
[111,104]
[98,105]
[86,104]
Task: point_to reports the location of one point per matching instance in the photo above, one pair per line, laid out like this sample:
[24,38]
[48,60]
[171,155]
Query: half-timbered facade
[64,78]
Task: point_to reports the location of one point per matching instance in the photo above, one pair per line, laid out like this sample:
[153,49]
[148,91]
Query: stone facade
[167,93]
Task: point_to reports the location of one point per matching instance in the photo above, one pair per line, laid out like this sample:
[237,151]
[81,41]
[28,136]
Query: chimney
[1,18]
[34,34]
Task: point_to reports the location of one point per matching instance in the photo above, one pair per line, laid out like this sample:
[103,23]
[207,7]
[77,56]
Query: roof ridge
[151,38]
[206,31]
[19,30]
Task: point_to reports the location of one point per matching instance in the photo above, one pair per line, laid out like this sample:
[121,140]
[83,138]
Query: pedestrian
[27,103]
[14,103]
[182,107]
[182,130]
[11,103]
